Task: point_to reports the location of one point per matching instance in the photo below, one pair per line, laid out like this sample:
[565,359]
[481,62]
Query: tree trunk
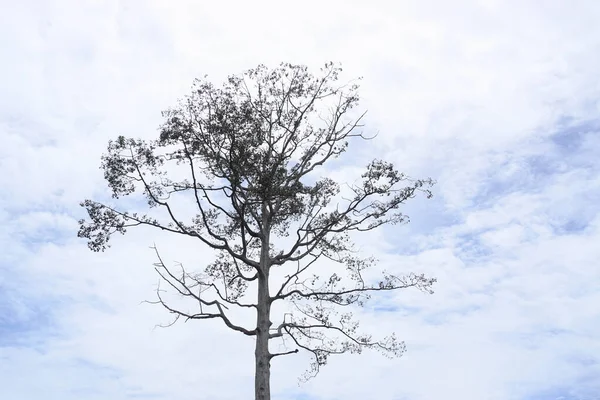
[262,377]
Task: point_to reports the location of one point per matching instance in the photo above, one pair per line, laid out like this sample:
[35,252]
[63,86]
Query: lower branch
[181,286]
[283,354]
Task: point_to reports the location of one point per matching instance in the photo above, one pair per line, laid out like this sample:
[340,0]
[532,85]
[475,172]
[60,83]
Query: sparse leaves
[251,148]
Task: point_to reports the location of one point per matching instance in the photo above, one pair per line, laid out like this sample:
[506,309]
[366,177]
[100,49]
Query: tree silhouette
[252,149]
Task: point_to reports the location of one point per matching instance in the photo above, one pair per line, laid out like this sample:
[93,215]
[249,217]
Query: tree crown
[252,149]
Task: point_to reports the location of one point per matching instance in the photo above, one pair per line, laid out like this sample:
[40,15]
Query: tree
[252,149]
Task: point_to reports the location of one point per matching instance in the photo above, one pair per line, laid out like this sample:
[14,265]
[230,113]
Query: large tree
[253,149]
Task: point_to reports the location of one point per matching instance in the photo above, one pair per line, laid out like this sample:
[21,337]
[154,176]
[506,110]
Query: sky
[499,101]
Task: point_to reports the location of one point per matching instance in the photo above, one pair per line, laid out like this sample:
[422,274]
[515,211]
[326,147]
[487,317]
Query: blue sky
[499,101]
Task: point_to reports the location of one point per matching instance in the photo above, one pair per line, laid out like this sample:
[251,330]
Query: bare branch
[284,353]
[185,290]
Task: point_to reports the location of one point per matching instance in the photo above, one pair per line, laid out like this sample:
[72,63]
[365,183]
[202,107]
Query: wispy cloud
[498,101]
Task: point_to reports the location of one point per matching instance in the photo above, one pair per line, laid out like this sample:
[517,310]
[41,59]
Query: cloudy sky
[498,100]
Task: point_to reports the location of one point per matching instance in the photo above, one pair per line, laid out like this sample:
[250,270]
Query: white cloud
[498,101]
